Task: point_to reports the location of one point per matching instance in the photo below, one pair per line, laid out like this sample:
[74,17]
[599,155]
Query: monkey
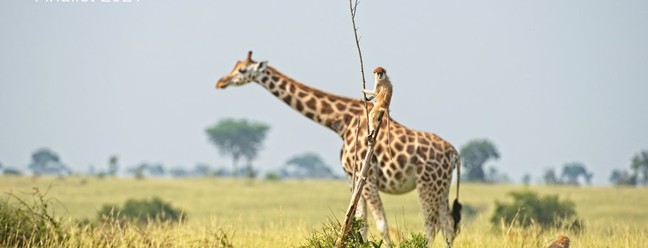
[382,93]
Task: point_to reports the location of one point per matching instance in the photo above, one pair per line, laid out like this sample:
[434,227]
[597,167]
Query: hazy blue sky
[548,82]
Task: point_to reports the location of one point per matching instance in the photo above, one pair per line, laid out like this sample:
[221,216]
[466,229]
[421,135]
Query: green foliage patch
[528,208]
[143,211]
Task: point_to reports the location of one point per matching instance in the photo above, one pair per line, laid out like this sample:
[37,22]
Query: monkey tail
[456,206]
[391,154]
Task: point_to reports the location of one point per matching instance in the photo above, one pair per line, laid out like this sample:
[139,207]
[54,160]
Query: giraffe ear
[261,66]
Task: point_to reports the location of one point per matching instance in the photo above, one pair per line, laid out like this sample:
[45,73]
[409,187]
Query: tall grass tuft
[24,224]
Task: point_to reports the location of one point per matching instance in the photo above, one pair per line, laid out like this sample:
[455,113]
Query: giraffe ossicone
[421,160]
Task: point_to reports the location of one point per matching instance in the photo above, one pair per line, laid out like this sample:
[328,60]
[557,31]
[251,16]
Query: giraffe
[421,160]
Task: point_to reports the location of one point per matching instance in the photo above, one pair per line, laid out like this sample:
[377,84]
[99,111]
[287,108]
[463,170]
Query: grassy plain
[284,213]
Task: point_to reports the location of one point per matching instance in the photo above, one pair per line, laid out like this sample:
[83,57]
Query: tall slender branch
[358,181]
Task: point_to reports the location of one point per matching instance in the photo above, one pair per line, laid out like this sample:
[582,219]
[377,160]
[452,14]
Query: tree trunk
[235,159]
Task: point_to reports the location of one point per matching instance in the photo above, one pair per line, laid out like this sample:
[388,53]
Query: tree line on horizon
[242,140]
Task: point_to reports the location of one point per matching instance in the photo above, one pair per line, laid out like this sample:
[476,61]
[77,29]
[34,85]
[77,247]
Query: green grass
[285,213]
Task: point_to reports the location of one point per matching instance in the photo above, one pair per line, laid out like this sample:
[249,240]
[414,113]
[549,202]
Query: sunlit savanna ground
[283,213]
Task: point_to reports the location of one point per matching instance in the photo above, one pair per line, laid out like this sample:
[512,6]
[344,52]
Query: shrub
[10,171]
[24,225]
[328,234]
[272,176]
[547,211]
[143,211]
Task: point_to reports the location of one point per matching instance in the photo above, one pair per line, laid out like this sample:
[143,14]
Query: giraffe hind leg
[447,221]
[430,209]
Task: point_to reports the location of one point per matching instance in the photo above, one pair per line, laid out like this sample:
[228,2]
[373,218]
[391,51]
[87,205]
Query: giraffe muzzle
[221,84]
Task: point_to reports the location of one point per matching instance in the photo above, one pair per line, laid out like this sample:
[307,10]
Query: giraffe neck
[335,112]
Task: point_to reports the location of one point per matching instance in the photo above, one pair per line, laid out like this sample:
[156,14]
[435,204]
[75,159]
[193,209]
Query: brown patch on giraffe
[402,139]
[409,171]
[402,159]
[299,106]
[282,85]
[302,94]
[424,141]
[436,145]
[326,108]
[340,106]
[288,99]
[318,94]
[264,80]
[379,149]
[271,87]
[419,169]
[414,160]
[347,118]
[425,177]
[398,175]
[410,149]
[311,104]
[292,89]
[275,78]
[356,111]
[392,166]
[389,173]
[310,115]
[398,146]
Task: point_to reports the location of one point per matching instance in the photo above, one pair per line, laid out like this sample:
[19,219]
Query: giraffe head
[244,72]
[380,73]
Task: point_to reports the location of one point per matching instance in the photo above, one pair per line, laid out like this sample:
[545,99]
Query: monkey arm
[372,94]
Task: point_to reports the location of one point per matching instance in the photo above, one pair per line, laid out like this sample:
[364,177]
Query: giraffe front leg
[361,214]
[372,197]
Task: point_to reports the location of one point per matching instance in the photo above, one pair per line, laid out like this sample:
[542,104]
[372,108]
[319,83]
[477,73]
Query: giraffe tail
[456,206]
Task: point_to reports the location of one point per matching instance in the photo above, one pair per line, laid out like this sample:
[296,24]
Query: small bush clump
[23,224]
[143,211]
[528,208]
[328,235]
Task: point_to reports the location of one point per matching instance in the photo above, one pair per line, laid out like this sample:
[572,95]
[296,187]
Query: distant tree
[640,166]
[572,171]
[238,138]
[526,179]
[113,165]
[146,169]
[475,154]
[138,171]
[47,162]
[306,165]
[179,172]
[156,170]
[202,170]
[550,177]
[622,177]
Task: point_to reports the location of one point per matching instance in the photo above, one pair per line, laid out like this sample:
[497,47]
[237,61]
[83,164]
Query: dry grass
[284,214]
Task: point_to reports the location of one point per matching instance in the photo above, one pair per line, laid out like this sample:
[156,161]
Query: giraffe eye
[242,70]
